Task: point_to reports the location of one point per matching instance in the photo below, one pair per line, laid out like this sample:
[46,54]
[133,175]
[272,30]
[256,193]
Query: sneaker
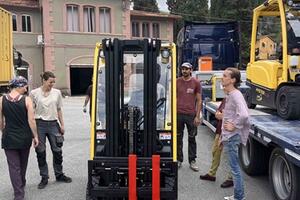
[179,164]
[229,198]
[227,184]
[232,198]
[193,166]
[64,178]
[207,177]
[43,183]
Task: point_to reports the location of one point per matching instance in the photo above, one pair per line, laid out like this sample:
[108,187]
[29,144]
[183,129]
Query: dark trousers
[48,129]
[188,120]
[17,164]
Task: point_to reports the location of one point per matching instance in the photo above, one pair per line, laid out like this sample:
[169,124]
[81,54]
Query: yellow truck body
[6,47]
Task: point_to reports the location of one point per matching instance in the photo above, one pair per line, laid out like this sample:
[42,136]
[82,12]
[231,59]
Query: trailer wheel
[287,100]
[248,99]
[253,158]
[284,176]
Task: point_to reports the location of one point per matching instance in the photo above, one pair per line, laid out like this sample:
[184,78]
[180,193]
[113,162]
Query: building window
[89,19]
[14,22]
[135,29]
[105,20]
[145,29]
[155,30]
[72,18]
[26,23]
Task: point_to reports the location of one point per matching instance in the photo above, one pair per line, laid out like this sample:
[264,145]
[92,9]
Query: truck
[133,146]
[209,46]
[6,49]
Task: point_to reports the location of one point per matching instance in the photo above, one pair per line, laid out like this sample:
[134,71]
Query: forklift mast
[114,52]
[133,133]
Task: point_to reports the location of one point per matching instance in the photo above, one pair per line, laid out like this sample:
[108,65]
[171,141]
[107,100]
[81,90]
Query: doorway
[80,78]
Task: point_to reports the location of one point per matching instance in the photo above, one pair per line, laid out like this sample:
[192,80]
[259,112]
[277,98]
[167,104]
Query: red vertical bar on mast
[155,177]
[132,195]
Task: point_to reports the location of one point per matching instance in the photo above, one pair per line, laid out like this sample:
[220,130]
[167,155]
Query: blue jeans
[231,147]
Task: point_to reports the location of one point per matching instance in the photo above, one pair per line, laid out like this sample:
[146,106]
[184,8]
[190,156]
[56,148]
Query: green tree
[239,10]
[148,5]
[190,10]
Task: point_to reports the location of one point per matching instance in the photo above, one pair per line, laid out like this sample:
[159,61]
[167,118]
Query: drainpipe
[42,25]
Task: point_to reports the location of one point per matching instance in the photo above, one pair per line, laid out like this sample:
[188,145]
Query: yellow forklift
[133,131]
[273,73]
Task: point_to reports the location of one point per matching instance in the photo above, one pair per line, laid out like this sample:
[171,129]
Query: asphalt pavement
[76,153]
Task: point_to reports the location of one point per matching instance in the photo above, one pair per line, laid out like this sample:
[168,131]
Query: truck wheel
[287,100]
[253,158]
[284,176]
[248,99]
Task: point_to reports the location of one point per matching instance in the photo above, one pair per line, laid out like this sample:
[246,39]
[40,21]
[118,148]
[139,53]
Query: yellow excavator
[273,74]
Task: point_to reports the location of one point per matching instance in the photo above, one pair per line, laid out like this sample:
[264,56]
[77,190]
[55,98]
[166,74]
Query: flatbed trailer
[273,147]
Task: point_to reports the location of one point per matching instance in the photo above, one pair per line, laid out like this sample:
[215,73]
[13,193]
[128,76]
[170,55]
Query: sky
[162,5]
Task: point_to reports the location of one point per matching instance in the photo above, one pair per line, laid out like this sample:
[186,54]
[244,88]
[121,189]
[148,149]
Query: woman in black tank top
[18,132]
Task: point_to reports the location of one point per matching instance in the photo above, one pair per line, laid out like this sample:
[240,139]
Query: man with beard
[188,113]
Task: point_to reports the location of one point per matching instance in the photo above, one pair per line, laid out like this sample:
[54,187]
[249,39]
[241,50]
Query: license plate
[101,136]
[295,70]
[165,136]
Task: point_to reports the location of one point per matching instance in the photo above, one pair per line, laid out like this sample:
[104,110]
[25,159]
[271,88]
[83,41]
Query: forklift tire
[253,157]
[284,176]
[88,197]
[287,101]
[248,99]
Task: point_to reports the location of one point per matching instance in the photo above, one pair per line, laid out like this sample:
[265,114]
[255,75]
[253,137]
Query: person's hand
[197,121]
[62,130]
[35,142]
[229,126]
[84,109]
[219,115]
[220,144]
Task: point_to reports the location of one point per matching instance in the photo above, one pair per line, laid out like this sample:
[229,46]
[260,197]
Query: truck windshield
[209,33]
[209,49]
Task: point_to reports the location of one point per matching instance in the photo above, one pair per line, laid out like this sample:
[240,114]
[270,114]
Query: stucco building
[60,35]
[266,47]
